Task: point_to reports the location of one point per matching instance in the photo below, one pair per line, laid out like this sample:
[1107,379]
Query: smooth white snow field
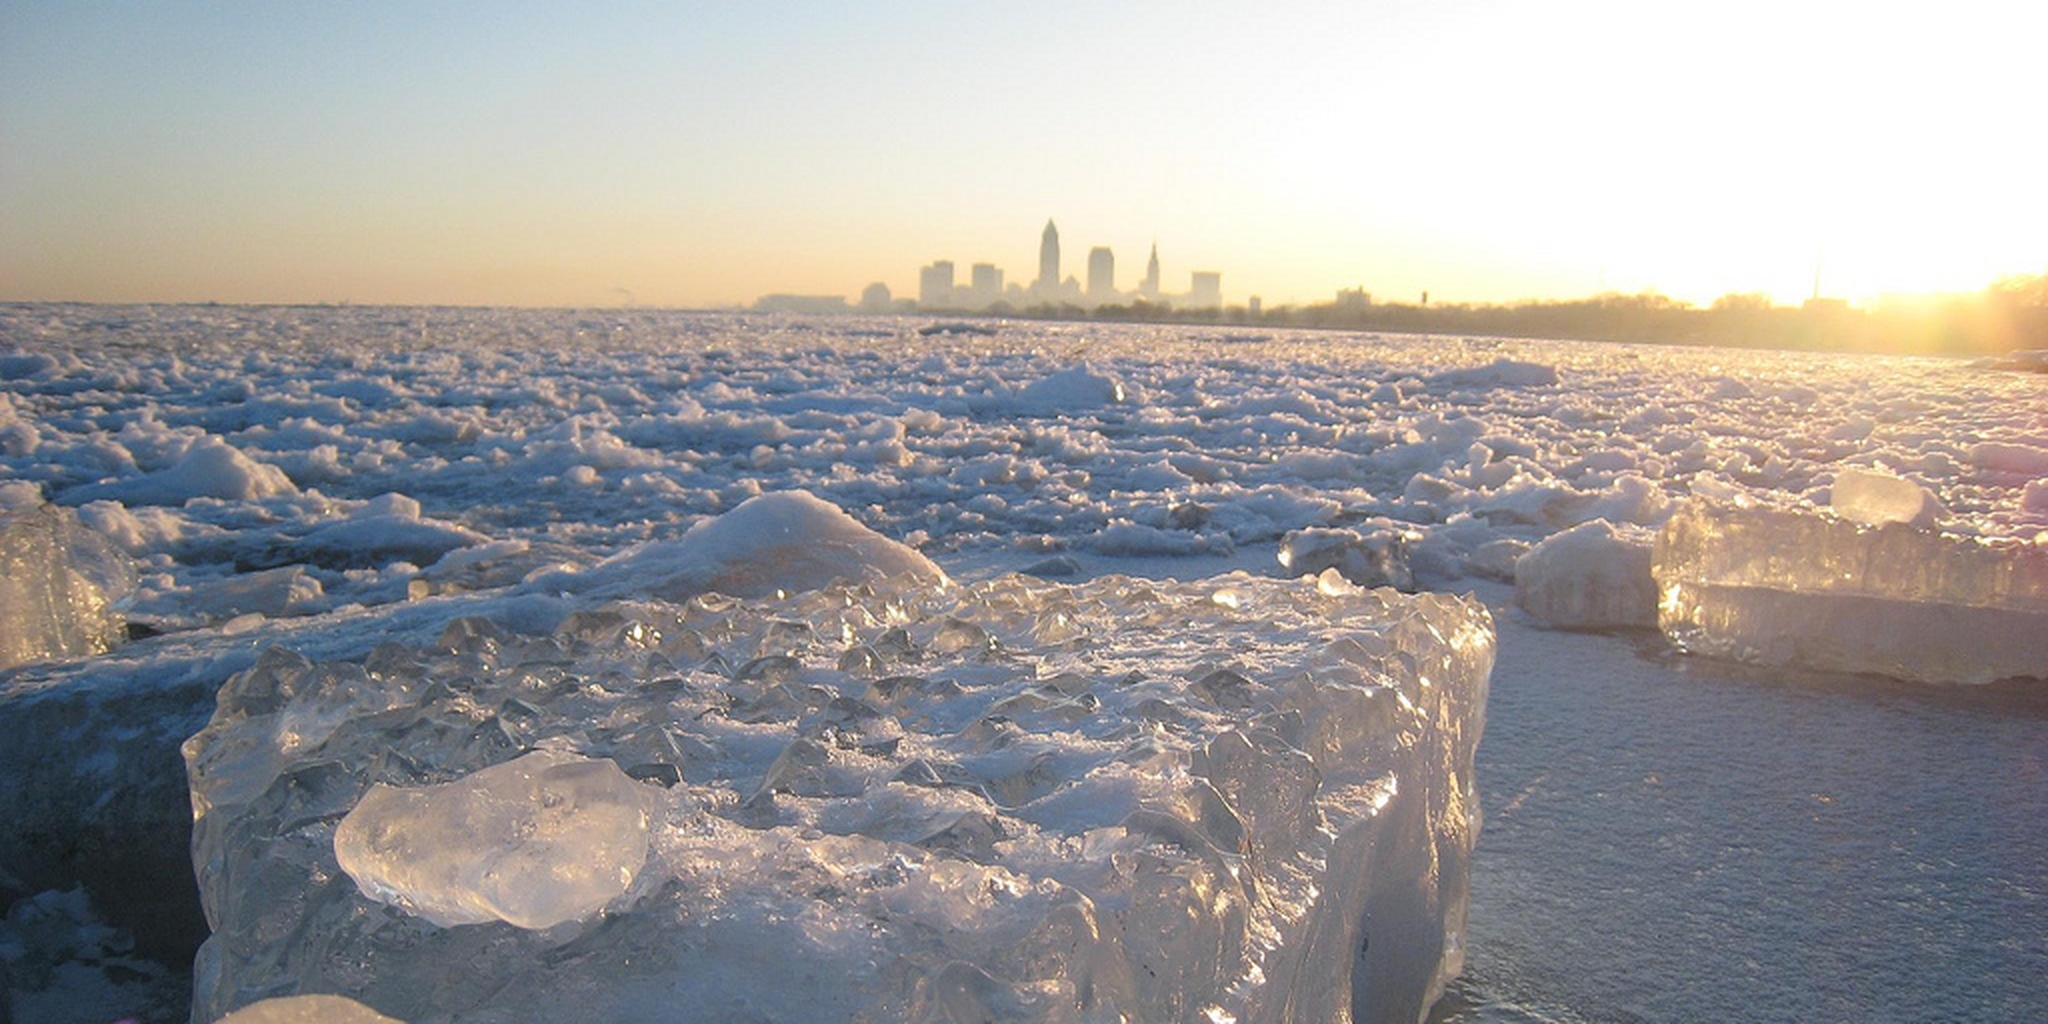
[1742,832]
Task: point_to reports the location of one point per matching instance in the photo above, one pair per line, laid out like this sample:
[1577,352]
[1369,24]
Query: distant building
[876,298]
[1253,306]
[1205,290]
[800,304]
[935,285]
[1049,257]
[987,286]
[1101,274]
[1353,298]
[1149,287]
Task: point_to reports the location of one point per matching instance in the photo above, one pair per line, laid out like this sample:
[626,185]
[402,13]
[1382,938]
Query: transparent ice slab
[1788,587]
[1230,799]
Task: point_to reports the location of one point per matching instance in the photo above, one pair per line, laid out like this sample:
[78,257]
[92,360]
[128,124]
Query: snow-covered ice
[1591,576]
[333,480]
[790,541]
[210,468]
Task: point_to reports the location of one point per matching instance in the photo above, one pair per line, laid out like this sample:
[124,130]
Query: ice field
[1738,627]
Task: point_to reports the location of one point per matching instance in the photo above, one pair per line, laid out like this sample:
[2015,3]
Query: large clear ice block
[1232,799]
[1788,587]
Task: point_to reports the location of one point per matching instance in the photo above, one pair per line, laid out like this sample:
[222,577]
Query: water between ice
[1678,840]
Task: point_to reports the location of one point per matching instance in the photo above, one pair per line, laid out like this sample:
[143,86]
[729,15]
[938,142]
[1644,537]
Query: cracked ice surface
[900,800]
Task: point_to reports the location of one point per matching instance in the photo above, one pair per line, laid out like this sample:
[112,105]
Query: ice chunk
[2006,457]
[1369,558]
[1074,388]
[1234,798]
[537,841]
[272,592]
[1591,576]
[19,494]
[1875,498]
[210,469]
[2034,497]
[307,1010]
[59,587]
[1786,587]
[1501,373]
[496,564]
[1495,559]
[369,539]
[391,504]
[789,541]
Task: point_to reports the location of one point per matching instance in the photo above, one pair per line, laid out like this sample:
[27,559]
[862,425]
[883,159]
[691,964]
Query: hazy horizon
[486,155]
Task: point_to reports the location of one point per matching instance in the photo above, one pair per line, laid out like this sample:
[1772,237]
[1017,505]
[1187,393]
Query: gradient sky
[706,153]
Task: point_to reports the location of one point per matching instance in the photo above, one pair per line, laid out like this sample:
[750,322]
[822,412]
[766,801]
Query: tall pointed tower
[1149,287]
[1049,256]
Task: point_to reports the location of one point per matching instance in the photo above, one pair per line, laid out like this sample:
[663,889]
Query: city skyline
[704,156]
[939,287]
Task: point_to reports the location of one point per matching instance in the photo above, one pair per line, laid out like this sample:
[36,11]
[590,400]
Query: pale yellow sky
[705,154]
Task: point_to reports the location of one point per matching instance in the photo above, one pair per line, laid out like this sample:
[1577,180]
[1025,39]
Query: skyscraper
[1149,288]
[935,285]
[1206,290]
[1049,257]
[1101,274]
[988,284]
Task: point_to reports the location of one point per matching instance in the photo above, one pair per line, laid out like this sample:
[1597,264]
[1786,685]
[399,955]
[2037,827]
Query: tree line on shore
[2011,314]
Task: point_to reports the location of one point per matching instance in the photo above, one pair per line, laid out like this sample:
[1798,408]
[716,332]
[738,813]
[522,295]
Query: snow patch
[1591,576]
[789,542]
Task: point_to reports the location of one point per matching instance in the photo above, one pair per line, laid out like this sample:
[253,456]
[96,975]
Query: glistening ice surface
[1232,799]
[58,587]
[1821,591]
[1774,846]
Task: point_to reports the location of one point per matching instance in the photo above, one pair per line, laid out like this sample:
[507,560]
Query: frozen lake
[1665,838]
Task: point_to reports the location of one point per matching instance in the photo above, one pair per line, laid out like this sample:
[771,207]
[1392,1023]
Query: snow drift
[789,541]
